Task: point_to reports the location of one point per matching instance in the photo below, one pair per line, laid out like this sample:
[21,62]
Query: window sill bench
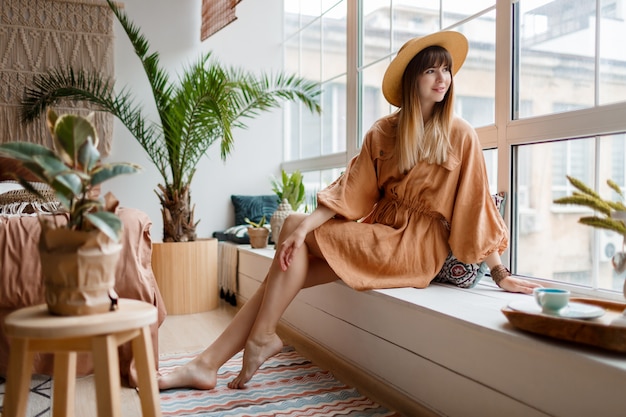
[450,349]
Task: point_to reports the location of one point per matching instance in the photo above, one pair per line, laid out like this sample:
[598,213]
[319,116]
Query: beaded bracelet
[499,272]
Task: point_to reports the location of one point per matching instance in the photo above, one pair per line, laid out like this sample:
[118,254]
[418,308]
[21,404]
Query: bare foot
[253,357]
[194,374]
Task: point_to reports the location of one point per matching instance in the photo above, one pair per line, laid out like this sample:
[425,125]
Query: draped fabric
[36,35]
[216,14]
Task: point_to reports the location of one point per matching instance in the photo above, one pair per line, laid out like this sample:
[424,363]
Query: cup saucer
[573,310]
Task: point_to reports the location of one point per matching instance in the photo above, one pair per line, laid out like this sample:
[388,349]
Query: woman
[418,189]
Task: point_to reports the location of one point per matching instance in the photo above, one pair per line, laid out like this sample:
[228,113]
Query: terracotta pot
[258,237]
[78,271]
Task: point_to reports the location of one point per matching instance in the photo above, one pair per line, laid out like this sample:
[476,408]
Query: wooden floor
[182,333]
[194,332]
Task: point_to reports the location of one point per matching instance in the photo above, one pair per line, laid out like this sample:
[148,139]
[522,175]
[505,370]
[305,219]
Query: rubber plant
[79,247]
[206,104]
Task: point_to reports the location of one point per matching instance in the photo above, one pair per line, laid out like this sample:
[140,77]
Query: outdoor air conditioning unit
[610,243]
[528,222]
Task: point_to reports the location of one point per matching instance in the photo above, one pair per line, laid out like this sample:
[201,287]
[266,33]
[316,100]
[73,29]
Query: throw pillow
[253,207]
[16,201]
[460,274]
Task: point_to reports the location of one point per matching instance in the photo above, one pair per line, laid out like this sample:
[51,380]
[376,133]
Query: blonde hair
[417,141]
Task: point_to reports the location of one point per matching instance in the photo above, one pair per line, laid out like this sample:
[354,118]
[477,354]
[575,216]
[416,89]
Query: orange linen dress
[396,230]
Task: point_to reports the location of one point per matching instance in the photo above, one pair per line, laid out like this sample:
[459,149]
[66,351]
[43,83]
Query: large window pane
[315,48]
[334,41]
[612,52]
[376,28]
[411,18]
[373,103]
[334,119]
[556,55]
[455,11]
[549,241]
[311,54]
[299,13]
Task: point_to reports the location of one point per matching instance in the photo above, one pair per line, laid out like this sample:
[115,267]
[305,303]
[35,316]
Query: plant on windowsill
[79,248]
[258,233]
[290,188]
[291,195]
[611,214]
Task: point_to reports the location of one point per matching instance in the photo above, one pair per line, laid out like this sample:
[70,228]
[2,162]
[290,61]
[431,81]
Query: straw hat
[453,42]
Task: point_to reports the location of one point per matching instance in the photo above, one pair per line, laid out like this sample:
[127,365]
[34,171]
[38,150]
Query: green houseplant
[291,194]
[290,188]
[79,253]
[204,107]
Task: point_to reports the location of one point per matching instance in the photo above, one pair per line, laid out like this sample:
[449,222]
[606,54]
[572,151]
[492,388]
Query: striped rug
[285,385]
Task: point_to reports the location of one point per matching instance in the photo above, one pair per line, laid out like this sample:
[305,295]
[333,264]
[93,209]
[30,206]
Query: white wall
[173,29]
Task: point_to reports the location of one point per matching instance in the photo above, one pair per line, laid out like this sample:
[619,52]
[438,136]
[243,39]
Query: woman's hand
[295,240]
[513,284]
[290,245]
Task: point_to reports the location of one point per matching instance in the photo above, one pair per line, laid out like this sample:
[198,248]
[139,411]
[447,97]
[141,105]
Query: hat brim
[454,42]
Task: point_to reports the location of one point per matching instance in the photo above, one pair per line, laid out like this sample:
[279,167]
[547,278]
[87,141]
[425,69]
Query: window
[568,67]
[544,84]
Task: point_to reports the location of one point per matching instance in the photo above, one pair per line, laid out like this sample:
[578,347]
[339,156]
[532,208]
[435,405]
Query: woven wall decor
[216,14]
[36,35]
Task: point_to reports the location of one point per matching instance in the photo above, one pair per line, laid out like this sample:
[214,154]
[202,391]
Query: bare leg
[282,287]
[201,372]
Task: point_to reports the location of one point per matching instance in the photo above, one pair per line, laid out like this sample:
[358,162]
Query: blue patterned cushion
[253,207]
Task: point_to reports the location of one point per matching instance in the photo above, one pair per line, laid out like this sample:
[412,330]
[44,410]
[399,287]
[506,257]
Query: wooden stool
[33,329]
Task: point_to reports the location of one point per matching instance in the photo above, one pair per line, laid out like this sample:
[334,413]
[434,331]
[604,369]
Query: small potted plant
[291,188]
[291,194]
[80,246]
[258,233]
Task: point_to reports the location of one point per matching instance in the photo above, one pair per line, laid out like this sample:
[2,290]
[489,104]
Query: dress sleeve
[476,229]
[354,194]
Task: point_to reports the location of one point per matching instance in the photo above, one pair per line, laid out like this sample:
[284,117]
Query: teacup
[551,300]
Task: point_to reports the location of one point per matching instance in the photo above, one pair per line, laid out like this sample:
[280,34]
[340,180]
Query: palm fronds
[589,198]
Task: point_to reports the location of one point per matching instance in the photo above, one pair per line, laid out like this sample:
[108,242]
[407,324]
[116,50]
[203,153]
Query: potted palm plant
[204,107]
[78,251]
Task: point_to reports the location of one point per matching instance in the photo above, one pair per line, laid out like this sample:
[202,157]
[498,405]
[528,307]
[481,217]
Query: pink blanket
[21,284]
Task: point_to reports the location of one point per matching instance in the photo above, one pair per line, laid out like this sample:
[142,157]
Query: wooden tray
[594,332]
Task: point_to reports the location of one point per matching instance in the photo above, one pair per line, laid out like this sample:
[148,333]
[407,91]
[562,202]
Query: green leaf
[108,171]
[108,223]
[88,156]
[59,175]
[24,151]
[70,133]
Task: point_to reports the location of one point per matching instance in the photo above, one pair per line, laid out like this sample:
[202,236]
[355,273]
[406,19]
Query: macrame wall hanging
[36,35]
[216,14]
